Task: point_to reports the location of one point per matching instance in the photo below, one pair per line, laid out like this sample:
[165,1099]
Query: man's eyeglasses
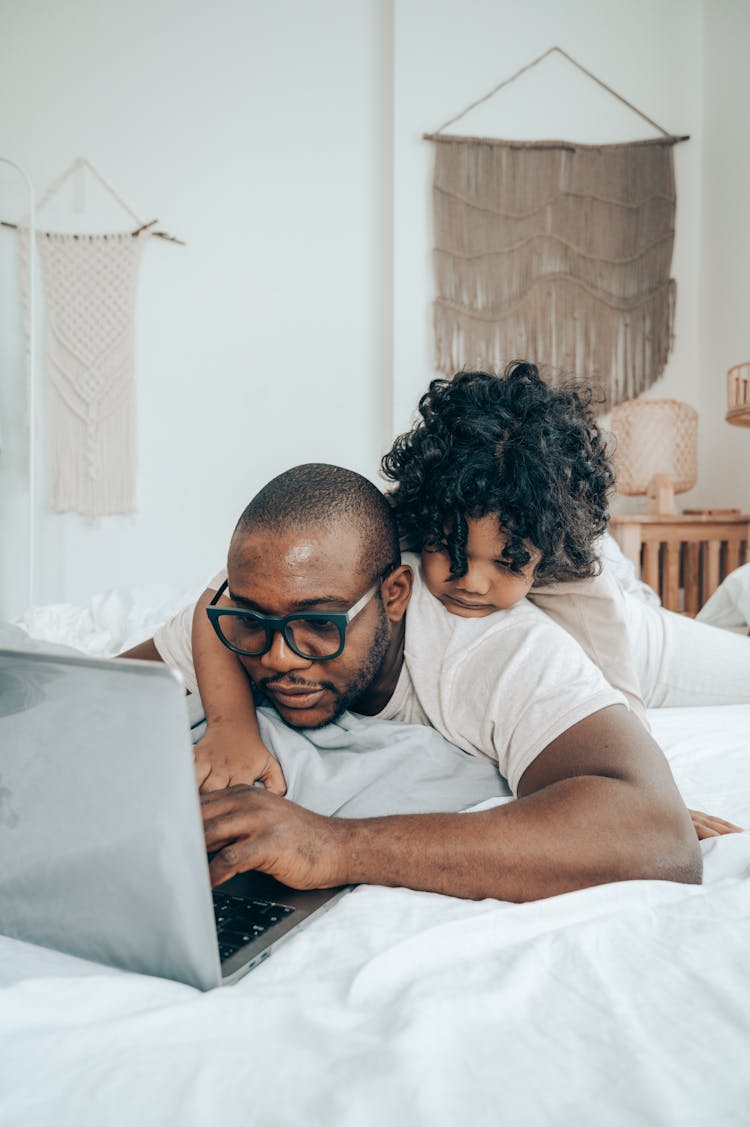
[315,635]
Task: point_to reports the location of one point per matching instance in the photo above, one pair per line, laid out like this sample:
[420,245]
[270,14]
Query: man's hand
[249,829]
[227,756]
[708,825]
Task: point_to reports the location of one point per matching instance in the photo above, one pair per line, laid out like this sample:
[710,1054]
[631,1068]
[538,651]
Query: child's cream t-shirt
[619,632]
[503,687]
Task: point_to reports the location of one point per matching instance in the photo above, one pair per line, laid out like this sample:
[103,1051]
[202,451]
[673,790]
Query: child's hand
[707,825]
[227,755]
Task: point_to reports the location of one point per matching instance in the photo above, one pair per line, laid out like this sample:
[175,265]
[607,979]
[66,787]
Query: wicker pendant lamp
[655,450]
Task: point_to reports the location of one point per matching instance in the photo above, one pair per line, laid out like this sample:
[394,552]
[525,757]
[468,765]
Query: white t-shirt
[174,641]
[174,638]
[622,635]
[503,687]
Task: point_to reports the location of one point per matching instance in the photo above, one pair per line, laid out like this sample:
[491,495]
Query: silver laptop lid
[83,868]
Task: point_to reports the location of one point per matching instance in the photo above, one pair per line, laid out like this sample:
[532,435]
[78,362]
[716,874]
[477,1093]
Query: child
[503,485]
[506,481]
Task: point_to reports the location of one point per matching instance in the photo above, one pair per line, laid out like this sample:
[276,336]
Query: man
[596,799]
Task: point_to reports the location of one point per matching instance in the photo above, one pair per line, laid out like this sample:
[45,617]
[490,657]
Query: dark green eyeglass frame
[279,624]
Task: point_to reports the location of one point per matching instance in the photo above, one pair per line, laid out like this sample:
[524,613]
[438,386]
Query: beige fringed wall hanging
[89,283]
[555,252]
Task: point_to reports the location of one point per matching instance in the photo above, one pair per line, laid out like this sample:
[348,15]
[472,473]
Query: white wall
[282,141]
[261,134]
[449,54]
[725,273]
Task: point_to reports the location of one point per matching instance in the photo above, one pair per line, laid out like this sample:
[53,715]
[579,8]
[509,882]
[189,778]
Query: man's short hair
[330,497]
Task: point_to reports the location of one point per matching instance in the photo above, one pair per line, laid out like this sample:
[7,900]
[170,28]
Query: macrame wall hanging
[89,283]
[555,252]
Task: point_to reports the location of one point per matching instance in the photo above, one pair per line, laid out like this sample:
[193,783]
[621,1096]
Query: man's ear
[396,592]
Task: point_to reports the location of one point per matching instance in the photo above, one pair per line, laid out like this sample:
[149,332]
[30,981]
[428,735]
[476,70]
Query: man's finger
[218,834]
[219,827]
[227,798]
[234,858]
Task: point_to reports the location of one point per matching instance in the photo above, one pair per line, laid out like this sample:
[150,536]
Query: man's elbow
[674,854]
[685,867]
[689,867]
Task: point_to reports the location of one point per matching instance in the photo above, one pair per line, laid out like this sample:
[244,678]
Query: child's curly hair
[510,445]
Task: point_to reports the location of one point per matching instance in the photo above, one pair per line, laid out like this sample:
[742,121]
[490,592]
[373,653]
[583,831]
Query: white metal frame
[31,378]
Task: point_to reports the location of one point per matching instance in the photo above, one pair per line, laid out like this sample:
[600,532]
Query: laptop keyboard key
[240,921]
[238,939]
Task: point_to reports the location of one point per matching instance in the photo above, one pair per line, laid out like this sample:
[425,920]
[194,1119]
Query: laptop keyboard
[240,921]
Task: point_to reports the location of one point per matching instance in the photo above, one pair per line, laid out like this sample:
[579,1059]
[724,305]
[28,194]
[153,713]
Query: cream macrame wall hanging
[555,252]
[89,283]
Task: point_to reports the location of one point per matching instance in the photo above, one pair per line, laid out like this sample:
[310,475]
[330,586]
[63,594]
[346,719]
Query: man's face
[309,570]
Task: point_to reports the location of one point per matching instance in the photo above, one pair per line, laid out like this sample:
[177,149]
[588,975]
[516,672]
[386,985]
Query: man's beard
[343,698]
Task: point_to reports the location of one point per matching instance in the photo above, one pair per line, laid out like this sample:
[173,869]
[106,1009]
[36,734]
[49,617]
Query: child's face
[489,584]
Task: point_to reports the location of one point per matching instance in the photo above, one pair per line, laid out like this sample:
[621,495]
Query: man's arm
[144,651]
[598,804]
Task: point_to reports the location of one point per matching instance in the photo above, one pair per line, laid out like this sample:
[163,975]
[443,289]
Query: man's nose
[281,658]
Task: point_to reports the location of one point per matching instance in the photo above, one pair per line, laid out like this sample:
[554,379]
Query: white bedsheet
[627,1004]
[624,1004]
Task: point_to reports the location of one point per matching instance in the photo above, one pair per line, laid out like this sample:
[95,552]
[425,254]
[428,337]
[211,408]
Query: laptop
[102,852]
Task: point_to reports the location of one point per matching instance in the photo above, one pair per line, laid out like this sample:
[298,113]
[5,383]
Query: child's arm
[232,750]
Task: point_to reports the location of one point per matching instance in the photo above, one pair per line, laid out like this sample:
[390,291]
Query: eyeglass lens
[314,638]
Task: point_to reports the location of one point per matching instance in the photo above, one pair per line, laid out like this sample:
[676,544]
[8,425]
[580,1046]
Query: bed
[619,1005]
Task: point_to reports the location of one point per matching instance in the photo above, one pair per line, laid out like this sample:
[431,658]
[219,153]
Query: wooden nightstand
[693,551]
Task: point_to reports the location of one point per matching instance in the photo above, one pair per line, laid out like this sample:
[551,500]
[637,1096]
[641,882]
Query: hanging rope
[81,164]
[78,164]
[535,62]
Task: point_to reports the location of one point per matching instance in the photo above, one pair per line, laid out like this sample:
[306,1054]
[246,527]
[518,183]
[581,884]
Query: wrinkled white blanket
[627,1004]
[112,622]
